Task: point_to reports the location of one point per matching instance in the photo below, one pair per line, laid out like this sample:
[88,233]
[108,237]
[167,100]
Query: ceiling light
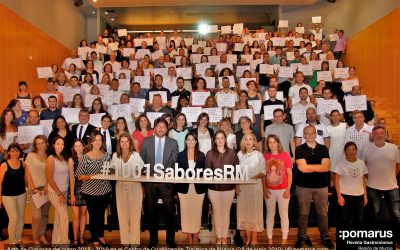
[203,28]
[112,19]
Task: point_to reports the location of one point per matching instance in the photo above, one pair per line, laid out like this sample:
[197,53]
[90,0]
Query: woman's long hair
[3,125]
[197,151]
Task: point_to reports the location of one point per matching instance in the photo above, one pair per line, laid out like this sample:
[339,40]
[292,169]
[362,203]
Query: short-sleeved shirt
[276,172]
[284,131]
[312,156]
[381,164]
[294,92]
[267,103]
[351,176]
[263,78]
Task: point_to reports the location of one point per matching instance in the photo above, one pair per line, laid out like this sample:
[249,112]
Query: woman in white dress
[250,197]
[337,133]
[226,126]
[191,196]
[129,195]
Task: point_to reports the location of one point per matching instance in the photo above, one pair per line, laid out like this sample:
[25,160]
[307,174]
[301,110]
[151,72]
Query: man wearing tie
[160,149]
[108,135]
[83,130]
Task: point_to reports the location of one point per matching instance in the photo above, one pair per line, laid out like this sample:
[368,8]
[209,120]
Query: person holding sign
[157,106]
[22,91]
[294,94]
[277,184]
[272,100]
[225,92]
[263,79]
[160,149]
[180,83]
[158,81]
[200,87]
[313,164]
[250,197]
[20,115]
[368,114]
[226,126]
[298,110]
[129,195]
[360,132]
[322,136]
[221,195]
[191,196]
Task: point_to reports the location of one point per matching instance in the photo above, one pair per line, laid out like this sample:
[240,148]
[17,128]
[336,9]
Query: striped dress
[89,166]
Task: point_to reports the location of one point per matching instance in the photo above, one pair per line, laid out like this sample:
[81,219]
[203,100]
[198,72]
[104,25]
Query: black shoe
[171,244]
[104,244]
[299,243]
[328,243]
[152,244]
[308,242]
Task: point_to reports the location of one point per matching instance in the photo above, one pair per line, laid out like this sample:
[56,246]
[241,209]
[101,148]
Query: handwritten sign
[237,114]
[316,65]
[68,93]
[44,72]
[347,85]
[174,102]
[213,60]
[202,67]
[199,98]
[283,24]
[316,19]
[238,47]
[26,134]
[355,103]
[226,29]
[186,73]
[240,69]
[266,69]
[192,113]
[285,72]
[121,110]
[306,69]
[47,126]
[298,116]
[226,100]
[221,47]
[112,97]
[299,30]
[71,114]
[269,111]
[324,75]
[238,28]
[231,81]
[89,99]
[122,32]
[141,53]
[215,114]
[326,106]
[210,82]
[153,116]
[144,81]
[95,119]
[341,73]
[26,104]
[231,59]
[256,104]
[137,105]
[163,94]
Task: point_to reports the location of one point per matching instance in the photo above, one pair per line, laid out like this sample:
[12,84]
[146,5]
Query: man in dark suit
[83,130]
[108,135]
[160,149]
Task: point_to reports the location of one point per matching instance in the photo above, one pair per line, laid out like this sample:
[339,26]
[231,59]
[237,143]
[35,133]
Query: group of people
[288,130]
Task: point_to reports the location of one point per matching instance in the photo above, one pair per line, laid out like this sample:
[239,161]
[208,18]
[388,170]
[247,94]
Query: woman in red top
[143,130]
[277,183]
[200,87]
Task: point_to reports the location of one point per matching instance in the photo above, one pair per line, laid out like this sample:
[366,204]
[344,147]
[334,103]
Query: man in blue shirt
[52,111]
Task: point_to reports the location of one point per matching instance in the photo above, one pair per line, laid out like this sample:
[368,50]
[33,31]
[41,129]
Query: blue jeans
[392,199]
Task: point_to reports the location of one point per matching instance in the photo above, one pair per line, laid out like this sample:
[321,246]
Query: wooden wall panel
[24,48]
[375,52]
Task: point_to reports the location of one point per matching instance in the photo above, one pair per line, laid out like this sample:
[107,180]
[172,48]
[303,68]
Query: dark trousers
[353,209]
[155,191]
[392,199]
[338,55]
[97,206]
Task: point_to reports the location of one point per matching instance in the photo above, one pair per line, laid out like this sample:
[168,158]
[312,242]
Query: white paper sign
[202,67]
[210,82]
[244,81]
[46,96]
[347,85]
[121,110]
[188,41]
[266,69]
[128,51]
[26,134]
[113,46]
[254,63]
[299,30]
[163,94]
[174,102]
[355,103]
[279,96]
[290,56]
[170,84]
[161,71]
[47,126]
[316,65]
[83,52]
[326,106]
[213,60]
[341,73]
[215,114]
[89,100]
[144,81]
[306,69]
[226,100]
[283,24]
[316,19]
[232,59]
[212,28]
[122,32]
[285,71]
[237,114]
[256,104]
[298,116]
[324,75]
[157,54]
[238,28]
[221,47]
[68,93]
[124,85]
[269,111]
[333,37]
[199,98]
[247,58]
[95,119]
[71,115]
[112,97]
[137,105]
[192,113]
[44,72]
[186,73]
[153,116]
[238,47]
[161,40]
[141,53]
[240,69]
[226,29]
[26,104]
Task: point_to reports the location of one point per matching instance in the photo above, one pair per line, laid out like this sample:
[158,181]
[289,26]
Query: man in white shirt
[115,65]
[75,60]
[298,110]
[224,91]
[327,95]
[83,130]
[360,132]
[294,90]
[383,163]
[322,133]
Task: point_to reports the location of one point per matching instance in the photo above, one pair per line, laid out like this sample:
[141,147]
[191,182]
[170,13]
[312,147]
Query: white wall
[58,18]
[350,15]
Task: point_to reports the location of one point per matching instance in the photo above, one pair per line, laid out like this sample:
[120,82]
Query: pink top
[277,165]
[136,135]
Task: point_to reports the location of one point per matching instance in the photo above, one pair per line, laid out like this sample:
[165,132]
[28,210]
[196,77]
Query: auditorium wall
[24,48]
[375,51]
[350,15]
[60,19]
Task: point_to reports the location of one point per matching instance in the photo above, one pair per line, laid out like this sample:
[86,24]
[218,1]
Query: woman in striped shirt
[97,193]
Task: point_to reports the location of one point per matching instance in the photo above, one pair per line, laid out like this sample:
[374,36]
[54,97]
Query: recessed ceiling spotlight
[112,19]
